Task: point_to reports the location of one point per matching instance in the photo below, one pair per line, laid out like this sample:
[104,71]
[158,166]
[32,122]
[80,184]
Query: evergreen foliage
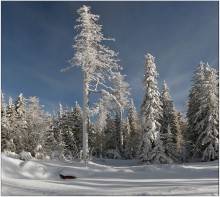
[100,125]
[77,125]
[110,134]
[151,149]
[170,127]
[5,126]
[133,124]
[203,117]
[128,149]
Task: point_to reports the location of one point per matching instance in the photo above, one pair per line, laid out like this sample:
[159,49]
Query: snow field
[41,177]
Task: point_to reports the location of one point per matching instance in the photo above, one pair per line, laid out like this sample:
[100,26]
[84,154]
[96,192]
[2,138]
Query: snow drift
[107,177]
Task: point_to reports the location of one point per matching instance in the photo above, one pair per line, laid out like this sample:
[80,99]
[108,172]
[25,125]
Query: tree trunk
[85,118]
[120,133]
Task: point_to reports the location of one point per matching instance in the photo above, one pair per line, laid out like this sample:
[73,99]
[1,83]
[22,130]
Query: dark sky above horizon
[37,39]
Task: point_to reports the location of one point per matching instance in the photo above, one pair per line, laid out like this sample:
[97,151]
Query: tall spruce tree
[20,122]
[183,127]
[11,117]
[203,118]
[78,125]
[110,134]
[151,149]
[135,128]
[193,108]
[5,126]
[66,125]
[128,148]
[170,126]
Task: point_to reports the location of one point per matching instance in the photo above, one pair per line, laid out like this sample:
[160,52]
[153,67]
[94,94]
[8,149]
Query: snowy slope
[38,177]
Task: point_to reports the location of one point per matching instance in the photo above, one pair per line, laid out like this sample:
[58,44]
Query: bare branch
[95,91]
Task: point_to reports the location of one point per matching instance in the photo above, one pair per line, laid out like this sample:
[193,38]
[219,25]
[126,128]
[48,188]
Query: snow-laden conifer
[151,149]
[11,108]
[96,61]
[3,105]
[128,148]
[20,105]
[60,148]
[8,128]
[18,121]
[50,142]
[110,134]
[204,117]
[36,125]
[183,127]
[66,125]
[193,108]
[5,126]
[92,140]
[135,128]
[170,126]
[77,120]
[12,121]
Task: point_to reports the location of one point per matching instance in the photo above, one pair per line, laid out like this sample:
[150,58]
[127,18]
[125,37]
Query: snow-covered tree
[92,140]
[3,105]
[36,125]
[77,120]
[12,120]
[66,124]
[11,108]
[54,144]
[119,132]
[151,149]
[135,128]
[60,148]
[110,134]
[193,108]
[8,129]
[170,126]
[128,149]
[169,144]
[122,93]
[71,148]
[19,122]
[20,105]
[96,61]
[203,117]
[183,127]
[50,143]
[100,127]
[5,125]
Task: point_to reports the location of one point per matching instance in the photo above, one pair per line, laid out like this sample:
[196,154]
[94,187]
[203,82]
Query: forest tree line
[25,126]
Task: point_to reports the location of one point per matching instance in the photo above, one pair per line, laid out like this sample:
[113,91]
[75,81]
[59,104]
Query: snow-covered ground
[107,177]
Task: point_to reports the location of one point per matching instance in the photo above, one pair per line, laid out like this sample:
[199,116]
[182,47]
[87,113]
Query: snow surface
[107,177]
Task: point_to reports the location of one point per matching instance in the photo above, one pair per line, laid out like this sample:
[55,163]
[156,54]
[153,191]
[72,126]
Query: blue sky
[37,39]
